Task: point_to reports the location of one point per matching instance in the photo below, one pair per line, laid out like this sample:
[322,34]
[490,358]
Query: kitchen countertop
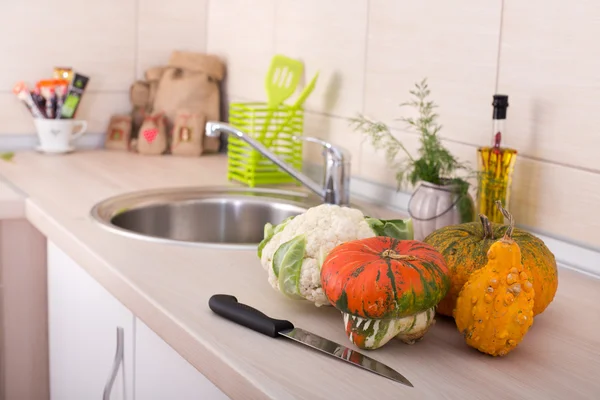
[12,204]
[168,287]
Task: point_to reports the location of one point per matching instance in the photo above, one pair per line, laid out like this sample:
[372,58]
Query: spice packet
[21,91]
[38,99]
[50,101]
[73,98]
[61,92]
[48,95]
[65,73]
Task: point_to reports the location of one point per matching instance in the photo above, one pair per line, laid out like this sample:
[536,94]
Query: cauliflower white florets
[325,227]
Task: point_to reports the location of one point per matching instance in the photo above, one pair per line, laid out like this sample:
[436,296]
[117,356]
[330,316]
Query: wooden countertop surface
[168,287]
[12,204]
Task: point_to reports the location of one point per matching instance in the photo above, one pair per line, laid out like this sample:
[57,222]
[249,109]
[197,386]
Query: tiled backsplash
[369,54]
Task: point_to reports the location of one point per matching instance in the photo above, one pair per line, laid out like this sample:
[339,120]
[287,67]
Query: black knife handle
[228,307]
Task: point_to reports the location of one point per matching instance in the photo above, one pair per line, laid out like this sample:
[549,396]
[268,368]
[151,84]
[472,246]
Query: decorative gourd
[465,248]
[494,309]
[371,334]
[385,288]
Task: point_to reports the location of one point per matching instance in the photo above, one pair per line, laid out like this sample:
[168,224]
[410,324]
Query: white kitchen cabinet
[161,373]
[83,321]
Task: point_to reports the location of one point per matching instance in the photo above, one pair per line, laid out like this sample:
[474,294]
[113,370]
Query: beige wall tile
[549,67]
[328,36]
[14,116]
[335,130]
[373,164]
[96,108]
[96,38]
[164,26]
[242,33]
[557,200]
[453,44]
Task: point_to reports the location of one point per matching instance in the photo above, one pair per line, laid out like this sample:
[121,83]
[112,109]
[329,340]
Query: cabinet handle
[118,360]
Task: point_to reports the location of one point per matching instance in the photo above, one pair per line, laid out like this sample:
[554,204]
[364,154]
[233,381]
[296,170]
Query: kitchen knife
[228,307]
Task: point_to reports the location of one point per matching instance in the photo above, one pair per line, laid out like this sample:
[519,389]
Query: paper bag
[188,134]
[191,81]
[118,133]
[152,138]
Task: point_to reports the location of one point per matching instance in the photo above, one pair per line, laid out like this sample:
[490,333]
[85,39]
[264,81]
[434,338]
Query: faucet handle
[337,171]
[334,152]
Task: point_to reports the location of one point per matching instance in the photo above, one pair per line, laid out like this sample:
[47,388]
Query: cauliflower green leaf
[287,265]
[401,229]
[270,231]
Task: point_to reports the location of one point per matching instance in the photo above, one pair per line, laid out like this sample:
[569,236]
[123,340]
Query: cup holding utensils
[53,104]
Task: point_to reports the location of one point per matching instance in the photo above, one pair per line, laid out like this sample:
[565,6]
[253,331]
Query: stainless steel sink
[213,216]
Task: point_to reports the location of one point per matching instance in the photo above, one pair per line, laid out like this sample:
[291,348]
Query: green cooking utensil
[281,82]
[292,111]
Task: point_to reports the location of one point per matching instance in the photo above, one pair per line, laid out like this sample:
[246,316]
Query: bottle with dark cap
[500,104]
[496,164]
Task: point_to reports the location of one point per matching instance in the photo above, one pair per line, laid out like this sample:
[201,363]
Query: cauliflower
[293,251]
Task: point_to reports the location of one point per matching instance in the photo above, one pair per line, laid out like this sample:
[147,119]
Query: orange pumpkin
[465,249]
[381,277]
[385,288]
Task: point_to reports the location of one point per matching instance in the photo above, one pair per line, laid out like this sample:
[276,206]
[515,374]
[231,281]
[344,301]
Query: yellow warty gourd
[494,309]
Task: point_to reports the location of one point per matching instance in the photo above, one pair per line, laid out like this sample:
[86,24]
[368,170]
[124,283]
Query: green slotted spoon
[281,82]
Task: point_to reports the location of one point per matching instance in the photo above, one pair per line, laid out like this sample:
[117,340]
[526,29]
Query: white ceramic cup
[56,135]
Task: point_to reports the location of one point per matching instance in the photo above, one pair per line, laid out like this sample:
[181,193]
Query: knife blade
[228,307]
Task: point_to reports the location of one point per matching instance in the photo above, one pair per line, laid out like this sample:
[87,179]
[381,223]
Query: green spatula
[281,82]
[292,111]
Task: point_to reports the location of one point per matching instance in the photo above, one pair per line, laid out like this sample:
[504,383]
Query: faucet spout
[336,186]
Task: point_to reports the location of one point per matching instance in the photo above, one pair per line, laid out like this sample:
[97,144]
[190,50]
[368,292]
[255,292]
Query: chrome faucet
[336,185]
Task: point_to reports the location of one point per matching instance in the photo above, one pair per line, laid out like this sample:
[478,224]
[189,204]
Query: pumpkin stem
[487,227]
[395,256]
[511,220]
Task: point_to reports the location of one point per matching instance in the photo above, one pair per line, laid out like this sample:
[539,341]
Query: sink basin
[221,217]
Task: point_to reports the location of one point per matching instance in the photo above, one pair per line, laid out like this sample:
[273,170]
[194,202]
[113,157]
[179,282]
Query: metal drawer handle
[118,360]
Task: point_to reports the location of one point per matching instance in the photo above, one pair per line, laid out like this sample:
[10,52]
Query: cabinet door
[161,373]
[83,321]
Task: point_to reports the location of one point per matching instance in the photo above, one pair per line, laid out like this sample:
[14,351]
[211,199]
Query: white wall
[111,41]
[370,53]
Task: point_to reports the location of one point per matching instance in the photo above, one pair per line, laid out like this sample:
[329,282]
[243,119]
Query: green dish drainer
[248,166]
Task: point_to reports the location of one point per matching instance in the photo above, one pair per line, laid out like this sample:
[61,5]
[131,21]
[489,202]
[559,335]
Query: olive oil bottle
[496,164]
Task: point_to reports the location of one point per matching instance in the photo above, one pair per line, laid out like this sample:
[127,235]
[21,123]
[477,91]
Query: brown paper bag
[153,76]
[191,81]
[118,133]
[152,138]
[137,119]
[139,95]
[188,134]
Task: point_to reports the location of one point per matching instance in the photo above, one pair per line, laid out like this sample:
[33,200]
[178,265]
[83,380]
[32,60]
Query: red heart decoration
[150,134]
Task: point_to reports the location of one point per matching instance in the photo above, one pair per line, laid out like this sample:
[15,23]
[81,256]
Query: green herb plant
[434,162]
